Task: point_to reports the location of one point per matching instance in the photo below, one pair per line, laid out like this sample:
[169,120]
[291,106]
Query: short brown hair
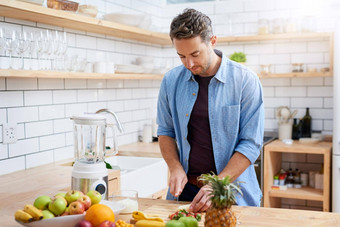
[189,24]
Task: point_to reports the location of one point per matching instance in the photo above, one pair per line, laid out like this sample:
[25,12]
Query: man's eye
[195,55]
[181,56]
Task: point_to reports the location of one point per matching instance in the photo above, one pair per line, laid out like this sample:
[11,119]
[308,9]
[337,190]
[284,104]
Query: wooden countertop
[20,188]
[140,149]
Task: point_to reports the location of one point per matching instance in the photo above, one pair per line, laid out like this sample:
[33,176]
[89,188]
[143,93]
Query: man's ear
[213,40]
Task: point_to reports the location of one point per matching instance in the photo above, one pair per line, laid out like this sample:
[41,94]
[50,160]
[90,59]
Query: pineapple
[223,196]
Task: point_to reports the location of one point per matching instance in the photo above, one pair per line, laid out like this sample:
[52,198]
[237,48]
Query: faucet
[114,115]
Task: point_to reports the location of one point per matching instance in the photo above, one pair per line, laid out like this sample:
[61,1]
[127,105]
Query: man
[210,116]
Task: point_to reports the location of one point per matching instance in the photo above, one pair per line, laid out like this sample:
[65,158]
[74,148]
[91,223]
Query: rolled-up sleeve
[251,118]
[164,118]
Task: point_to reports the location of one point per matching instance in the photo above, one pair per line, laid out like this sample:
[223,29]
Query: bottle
[295,133]
[276,180]
[297,178]
[306,129]
[290,178]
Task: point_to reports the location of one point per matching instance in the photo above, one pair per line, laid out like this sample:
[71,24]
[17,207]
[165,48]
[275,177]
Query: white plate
[71,220]
[64,221]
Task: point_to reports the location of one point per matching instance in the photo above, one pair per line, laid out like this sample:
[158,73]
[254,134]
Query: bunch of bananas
[28,214]
[144,220]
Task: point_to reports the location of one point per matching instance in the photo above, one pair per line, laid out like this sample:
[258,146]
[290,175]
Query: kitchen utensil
[292,115]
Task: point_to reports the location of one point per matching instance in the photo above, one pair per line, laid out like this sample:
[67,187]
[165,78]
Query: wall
[42,107]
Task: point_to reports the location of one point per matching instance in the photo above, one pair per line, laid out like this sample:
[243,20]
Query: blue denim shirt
[236,117]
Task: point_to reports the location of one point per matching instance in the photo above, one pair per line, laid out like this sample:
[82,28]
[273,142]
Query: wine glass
[31,47]
[55,48]
[63,48]
[40,46]
[48,47]
[11,42]
[21,46]
[2,39]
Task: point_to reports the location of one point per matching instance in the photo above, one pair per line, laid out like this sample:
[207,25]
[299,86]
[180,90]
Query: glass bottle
[290,178]
[306,125]
[295,134]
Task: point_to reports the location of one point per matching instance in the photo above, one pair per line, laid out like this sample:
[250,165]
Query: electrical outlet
[9,133]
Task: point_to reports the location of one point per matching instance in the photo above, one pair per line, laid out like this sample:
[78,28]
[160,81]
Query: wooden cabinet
[113,181]
[272,165]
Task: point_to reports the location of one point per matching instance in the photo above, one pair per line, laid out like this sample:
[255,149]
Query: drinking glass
[2,39]
[31,47]
[48,48]
[11,42]
[128,198]
[55,48]
[40,43]
[63,49]
[21,46]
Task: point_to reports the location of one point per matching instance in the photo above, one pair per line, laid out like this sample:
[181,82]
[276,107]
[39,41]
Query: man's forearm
[236,166]
[168,148]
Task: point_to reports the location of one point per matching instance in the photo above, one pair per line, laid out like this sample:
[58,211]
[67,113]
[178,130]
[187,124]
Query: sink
[144,174]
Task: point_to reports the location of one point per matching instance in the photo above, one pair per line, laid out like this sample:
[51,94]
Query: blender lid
[89,118]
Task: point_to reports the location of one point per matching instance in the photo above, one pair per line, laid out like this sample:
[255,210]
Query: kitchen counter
[22,187]
[140,149]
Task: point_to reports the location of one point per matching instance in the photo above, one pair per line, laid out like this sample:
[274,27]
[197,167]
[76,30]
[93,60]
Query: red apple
[86,200]
[107,224]
[76,208]
[72,196]
[95,196]
[84,223]
[65,213]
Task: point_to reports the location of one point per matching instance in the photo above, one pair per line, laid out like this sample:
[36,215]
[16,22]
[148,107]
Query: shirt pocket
[231,119]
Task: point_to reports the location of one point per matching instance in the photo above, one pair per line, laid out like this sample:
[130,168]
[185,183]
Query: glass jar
[265,69]
[277,26]
[308,24]
[263,27]
[297,67]
[291,25]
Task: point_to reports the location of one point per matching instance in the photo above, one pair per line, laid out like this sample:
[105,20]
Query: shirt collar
[220,75]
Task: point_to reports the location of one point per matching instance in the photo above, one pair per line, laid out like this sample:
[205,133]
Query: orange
[98,213]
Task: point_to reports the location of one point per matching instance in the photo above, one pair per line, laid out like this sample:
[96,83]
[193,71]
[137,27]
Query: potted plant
[238,57]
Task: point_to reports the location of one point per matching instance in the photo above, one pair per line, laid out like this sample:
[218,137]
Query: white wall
[42,107]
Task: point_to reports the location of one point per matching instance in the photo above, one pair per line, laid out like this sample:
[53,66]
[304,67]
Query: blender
[89,170]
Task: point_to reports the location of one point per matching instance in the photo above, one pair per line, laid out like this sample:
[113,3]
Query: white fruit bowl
[64,221]
[71,220]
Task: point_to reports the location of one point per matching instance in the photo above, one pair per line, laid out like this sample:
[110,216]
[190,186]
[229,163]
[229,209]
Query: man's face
[195,54]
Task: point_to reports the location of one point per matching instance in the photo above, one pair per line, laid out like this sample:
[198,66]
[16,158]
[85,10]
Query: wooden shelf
[13,73]
[306,193]
[272,165]
[36,13]
[305,74]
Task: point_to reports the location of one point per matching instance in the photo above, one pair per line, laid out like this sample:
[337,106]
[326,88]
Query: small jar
[265,69]
[277,26]
[282,179]
[291,25]
[297,67]
[276,180]
[263,27]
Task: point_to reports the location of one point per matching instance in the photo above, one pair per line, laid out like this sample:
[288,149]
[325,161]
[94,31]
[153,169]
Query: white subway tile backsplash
[114,83]
[268,91]
[37,98]
[62,125]
[317,125]
[22,114]
[75,83]
[2,82]
[22,147]
[38,159]
[106,94]
[291,47]
[138,93]
[276,102]
[116,106]
[259,49]
[39,128]
[320,46]
[275,82]
[87,95]
[11,99]
[21,131]
[3,150]
[132,104]
[307,102]
[96,83]
[52,141]
[316,91]
[3,116]
[275,59]
[75,109]
[105,44]
[51,112]
[303,81]
[86,42]
[131,83]
[328,125]
[328,102]
[321,114]
[44,84]
[63,153]
[64,96]
[329,81]
[69,138]
[307,58]
[11,165]
[124,94]
[22,84]
[92,107]
[125,117]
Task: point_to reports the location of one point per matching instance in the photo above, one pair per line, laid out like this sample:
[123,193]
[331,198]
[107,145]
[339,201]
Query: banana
[149,223]
[34,212]
[138,215]
[22,216]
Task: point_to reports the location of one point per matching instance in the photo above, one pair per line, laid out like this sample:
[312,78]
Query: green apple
[42,202]
[61,194]
[174,223]
[72,196]
[47,214]
[57,206]
[61,197]
[95,196]
[189,221]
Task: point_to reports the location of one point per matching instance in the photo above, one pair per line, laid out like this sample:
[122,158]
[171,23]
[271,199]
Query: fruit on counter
[223,196]
[189,221]
[95,196]
[149,223]
[61,194]
[34,212]
[174,223]
[76,208]
[47,214]
[61,197]
[138,215]
[86,200]
[41,202]
[84,223]
[72,196]
[107,224]
[22,216]
[184,213]
[98,213]
[121,223]
[57,206]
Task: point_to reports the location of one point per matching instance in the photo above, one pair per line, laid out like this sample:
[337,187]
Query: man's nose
[189,62]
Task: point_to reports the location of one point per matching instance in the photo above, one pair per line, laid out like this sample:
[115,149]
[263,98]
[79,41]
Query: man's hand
[178,180]
[201,202]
